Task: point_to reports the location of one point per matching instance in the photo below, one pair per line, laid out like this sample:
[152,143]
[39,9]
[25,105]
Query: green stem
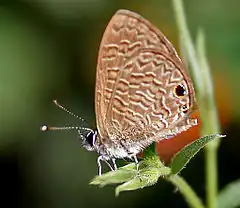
[211,125]
[210,114]
[186,190]
[211,177]
[205,97]
[188,44]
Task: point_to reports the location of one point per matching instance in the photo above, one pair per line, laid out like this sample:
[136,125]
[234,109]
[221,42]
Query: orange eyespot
[180,90]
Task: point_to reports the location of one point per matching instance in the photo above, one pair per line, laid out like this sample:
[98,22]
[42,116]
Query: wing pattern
[137,74]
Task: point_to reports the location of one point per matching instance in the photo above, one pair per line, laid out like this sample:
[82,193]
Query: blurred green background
[48,50]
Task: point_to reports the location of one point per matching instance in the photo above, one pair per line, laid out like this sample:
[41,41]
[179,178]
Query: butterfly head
[88,139]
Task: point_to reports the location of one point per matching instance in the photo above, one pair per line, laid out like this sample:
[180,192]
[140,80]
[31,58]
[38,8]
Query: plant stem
[203,84]
[210,113]
[186,190]
[188,45]
[211,176]
[212,125]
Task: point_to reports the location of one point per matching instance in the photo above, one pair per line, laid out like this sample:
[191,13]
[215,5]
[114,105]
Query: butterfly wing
[137,74]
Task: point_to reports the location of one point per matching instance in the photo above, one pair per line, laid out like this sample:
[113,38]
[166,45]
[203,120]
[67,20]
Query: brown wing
[137,74]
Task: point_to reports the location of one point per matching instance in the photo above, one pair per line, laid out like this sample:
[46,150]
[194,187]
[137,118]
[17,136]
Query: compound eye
[180,91]
[91,137]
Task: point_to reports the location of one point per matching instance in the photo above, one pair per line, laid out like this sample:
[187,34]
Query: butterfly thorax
[115,144]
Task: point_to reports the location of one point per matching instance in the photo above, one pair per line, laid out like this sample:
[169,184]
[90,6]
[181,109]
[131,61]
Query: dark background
[48,50]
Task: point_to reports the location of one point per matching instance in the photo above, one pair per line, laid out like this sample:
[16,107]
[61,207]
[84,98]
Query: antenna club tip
[44,128]
[55,101]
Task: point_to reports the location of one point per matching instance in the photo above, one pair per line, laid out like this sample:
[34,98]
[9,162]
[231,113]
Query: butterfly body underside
[143,93]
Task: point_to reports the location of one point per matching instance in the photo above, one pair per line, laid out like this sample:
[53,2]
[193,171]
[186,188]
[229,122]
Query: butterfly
[143,93]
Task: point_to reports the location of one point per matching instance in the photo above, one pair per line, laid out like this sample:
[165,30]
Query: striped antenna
[69,112]
[63,128]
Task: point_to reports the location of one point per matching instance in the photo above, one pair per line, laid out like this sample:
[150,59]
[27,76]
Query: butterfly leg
[137,167]
[114,163]
[136,162]
[99,159]
[108,164]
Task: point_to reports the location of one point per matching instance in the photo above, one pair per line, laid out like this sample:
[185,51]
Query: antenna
[63,128]
[69,112]
[66,128]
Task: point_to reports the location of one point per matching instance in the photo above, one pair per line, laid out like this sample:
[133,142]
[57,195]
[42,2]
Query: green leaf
[229,197]
[120,175]
[146,177]
[180,160]
[150,169]
[150,151]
